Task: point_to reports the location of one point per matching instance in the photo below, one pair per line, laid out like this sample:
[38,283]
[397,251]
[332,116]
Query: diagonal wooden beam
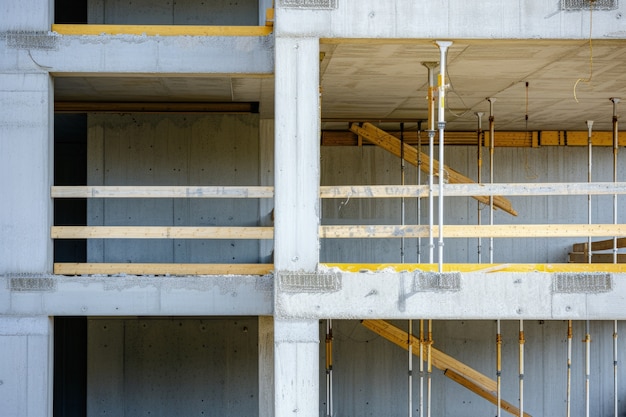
[394,145]
[452,368]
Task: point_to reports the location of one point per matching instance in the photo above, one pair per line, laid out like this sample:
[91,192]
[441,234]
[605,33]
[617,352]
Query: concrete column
[26,366]
[266,176]
[26,172]
[296,368]
[297,150]
[266,366]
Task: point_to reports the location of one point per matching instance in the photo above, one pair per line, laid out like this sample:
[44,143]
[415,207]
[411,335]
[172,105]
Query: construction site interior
[312,208]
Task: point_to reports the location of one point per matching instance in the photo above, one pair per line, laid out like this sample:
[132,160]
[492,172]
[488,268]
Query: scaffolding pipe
[587,366]
[492,142]
[568,400]
[329,368]
[402,206]
[479,180]
[410,366]
[421,400]
[615,101]
[589,164]
[522,340]
[419,182]
[431,139]
[429,366]
[498,369]
[441,119]
[615,392]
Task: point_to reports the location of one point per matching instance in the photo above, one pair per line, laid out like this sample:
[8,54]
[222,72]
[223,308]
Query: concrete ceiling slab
[385,79]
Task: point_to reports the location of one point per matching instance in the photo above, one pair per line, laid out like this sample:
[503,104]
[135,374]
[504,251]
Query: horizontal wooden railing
[325,231]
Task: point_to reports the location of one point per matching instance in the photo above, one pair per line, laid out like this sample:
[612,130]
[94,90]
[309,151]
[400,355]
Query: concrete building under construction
[312,208]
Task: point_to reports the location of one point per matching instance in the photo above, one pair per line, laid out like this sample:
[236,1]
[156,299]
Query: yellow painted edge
[488,268]
[161,30]
[161,269]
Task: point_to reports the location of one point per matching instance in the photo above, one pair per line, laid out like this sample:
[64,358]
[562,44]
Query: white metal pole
[568,400]
[441,119]
[615,392]
[419,182]
[479,134]
[587,366]
[421,404]
[431,154]
[410,366]
[429,367]
[498,369]
[492,143]
[615,101]
[589,165]
[522,341]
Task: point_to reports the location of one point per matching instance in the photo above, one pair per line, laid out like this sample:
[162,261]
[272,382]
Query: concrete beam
[532,19]
[503,295]
[135,295]
[65,55]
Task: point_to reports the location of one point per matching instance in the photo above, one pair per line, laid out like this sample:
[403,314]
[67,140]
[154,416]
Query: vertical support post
[522,341]
[329,368]
[410,367]
[589,165]
[419,182]
[429,367]
[266,366]
[431,139]
[402,182]
[479,178]
[568,400]
[587,342]
[615,101]
[498,369]
[421,404]
[441,121]
[615,391]
[492,145]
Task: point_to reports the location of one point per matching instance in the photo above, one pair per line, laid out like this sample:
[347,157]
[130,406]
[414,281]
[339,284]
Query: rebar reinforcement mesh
[588,4]
[309,4]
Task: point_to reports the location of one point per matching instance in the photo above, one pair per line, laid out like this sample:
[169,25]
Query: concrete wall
[371,165]
[163,367]
[179,12]
[174,150]
[370,373]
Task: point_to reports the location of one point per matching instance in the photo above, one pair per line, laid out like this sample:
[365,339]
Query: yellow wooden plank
[161,30]
[596,258]
[599,245]
[471,231]
[485,268]
[161,269]
[581,138]
[160,232]
[440,360]
[482,392]
[394,145]
[160,192]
